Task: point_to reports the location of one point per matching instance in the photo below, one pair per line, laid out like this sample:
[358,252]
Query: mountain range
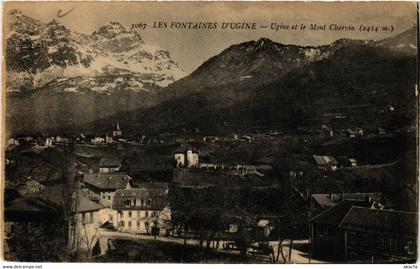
[38,53]
[56,77]
[252,85]
[267,85]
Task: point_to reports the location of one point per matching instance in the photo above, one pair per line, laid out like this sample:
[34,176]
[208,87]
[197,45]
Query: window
[148,202]
[411,248]
[141,202]
[91,217]
[83,218]
[134,201]
[129,224]
[146,213]
[122,223]
[129,214]
[109,197]
[138,224]
[325,229]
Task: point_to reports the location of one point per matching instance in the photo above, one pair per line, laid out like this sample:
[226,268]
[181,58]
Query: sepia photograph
[210,132]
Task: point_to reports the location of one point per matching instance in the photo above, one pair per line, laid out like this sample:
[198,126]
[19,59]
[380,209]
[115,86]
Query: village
[322,195]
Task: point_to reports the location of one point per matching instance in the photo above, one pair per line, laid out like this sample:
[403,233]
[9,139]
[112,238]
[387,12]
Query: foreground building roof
[334,215]
[326,200]
[381,221]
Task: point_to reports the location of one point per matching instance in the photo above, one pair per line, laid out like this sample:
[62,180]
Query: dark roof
[109,161]
[371,220]
[53,194]
[326,200]
[30,209]
[85,204]
[334,215]
[325,160]
[30,204]
[323,200]
[158,198]
[107,181]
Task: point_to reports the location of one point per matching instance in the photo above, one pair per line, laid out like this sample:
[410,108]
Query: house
[376,235]
[48,142]
[326,238]
[117,132]
[109,164]
[326,162]
[90,214]
[353,162]
[97,140]
[138,210]
[12,142]
[179,159]
[60,139]
[105,185]
[356,132]
[186,158]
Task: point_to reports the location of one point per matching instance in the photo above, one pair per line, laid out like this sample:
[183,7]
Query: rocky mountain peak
[38,53]
[20,23]
[116,38]
[112,30]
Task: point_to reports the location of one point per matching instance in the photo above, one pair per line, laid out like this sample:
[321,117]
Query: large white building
[137,210]
[186,158]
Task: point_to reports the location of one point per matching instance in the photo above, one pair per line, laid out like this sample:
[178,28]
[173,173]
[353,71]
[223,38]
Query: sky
[190,48]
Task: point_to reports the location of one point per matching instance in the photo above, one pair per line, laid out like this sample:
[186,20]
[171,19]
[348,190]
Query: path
[296,257]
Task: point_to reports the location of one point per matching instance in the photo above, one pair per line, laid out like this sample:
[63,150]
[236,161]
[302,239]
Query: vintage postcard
[210,132]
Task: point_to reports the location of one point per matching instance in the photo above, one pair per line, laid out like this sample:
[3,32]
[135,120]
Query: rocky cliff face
[37,53]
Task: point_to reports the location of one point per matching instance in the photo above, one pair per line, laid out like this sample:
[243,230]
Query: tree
[89,236]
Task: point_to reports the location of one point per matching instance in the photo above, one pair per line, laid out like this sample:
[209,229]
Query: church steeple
[117,132]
